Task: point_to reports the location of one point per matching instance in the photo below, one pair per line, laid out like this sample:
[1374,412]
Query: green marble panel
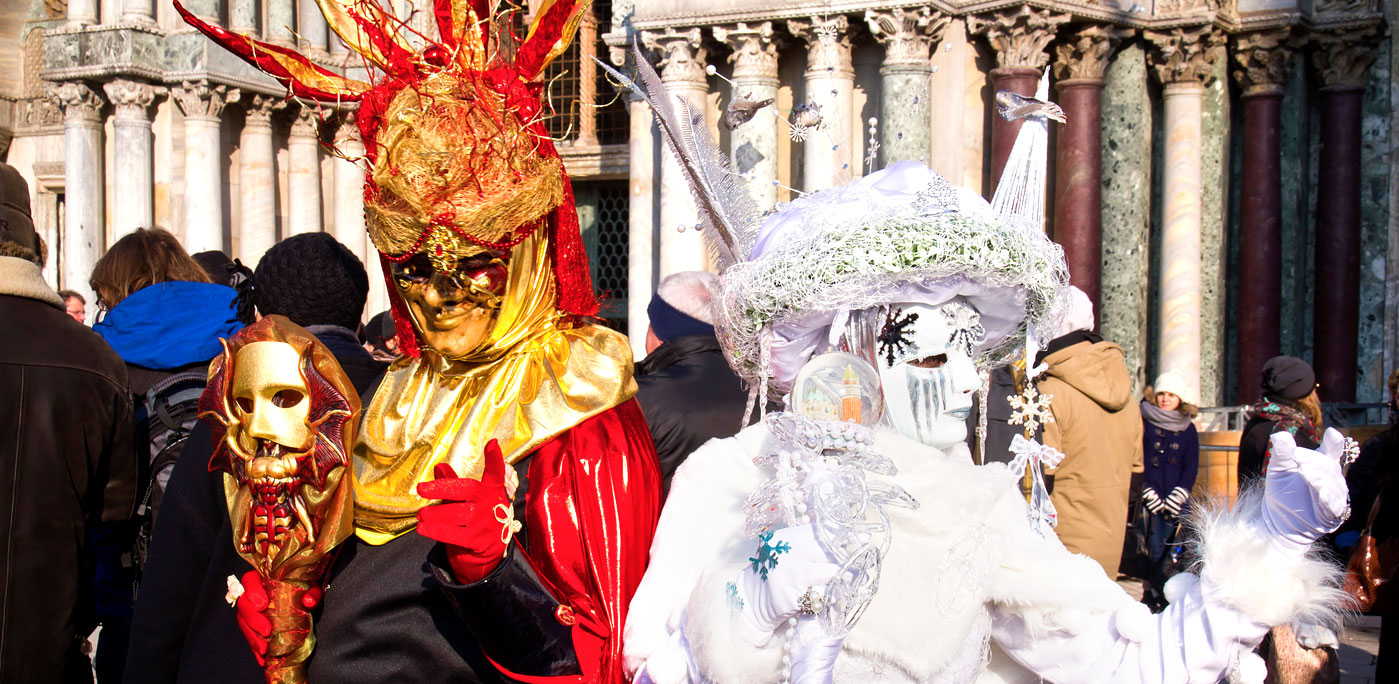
[1126,149]
[1374,227]
[1297,211]
[1214,188]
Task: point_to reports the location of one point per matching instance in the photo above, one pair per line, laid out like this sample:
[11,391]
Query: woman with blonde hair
[1170,460]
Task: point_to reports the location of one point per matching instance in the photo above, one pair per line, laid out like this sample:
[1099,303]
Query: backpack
[171,410]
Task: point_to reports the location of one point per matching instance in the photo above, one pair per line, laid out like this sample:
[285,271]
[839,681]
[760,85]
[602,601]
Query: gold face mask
[454,303]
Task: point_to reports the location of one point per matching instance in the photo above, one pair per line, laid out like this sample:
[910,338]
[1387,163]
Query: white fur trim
[1242,569]
[1250,669]
[716,639]
[1133,622]
[24,278]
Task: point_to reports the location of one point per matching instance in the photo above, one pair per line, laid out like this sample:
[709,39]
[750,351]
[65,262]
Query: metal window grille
[613,119]
[606,242]
[563,87]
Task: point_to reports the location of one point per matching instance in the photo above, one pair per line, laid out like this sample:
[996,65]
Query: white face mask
[929,405]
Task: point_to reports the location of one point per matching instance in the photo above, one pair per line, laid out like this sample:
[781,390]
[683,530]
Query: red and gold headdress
[459,158]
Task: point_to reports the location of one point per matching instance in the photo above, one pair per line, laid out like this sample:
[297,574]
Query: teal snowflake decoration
[767,555]
[731,592]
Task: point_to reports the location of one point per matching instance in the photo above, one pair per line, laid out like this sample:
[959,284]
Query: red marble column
[1337,314]
[1260,241]
[1078,184]
[1019,80]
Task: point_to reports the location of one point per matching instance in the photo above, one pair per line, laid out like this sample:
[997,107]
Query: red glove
[475,518]
[252,612]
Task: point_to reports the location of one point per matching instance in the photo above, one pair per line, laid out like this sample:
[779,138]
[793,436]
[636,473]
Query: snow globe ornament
[838,387]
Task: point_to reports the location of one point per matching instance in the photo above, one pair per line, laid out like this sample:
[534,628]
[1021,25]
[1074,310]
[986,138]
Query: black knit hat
[1288,377]
[313,280]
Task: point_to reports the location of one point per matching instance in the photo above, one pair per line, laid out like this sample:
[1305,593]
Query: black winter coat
[689,396]
[66,463]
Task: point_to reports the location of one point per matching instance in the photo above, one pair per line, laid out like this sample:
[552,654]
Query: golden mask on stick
[283,413]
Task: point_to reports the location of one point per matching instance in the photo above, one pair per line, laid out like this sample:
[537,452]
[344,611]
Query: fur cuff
[720,651]
[1243,570]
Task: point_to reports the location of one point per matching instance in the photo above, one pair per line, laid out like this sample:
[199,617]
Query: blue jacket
[171,325]
[1171,459]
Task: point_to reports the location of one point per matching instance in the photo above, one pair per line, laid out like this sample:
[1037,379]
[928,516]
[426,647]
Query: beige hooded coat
[1099,428]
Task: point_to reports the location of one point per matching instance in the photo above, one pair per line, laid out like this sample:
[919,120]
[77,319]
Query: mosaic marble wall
[1214,184]
[1126,148]
[1374,227]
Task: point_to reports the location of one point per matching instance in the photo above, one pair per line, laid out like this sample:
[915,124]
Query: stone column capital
[827,43]
[908,35]
[306,124]
[682,55]
[1185,55]
[1084,54]
[1343,56]
[754,46]
[132,99]
[80,102]
[258,110]
[199,100]
[1264,60]
[1019,34]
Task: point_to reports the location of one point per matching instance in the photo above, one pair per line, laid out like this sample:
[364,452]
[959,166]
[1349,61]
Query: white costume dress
[962,569]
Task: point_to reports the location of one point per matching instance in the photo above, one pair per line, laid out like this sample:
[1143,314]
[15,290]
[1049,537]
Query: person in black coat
[183,628]
[1375,477]
[1171,460]
[686,389]
[1289,403]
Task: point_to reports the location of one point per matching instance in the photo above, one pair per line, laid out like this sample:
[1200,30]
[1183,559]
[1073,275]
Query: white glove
[1152,501]
[801,564]
[1311,636]
[1304,495]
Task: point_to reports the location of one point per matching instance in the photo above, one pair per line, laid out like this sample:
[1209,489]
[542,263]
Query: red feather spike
[250,50]
[529,61]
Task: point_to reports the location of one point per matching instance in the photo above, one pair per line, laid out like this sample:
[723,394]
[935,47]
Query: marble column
[81,13]
[311,26]
[208,10]
[1183,59]
[1080,63]
[349,186]
[84,228]
[281,22]
[202,106]
[753,146]
[242,17]
[641,222]
[1018,35]
[257,173]
[828,156]
[1263,64]
[1342,59]
[138,11]
[682,72]
[133,182]
[908,36]
[304,176]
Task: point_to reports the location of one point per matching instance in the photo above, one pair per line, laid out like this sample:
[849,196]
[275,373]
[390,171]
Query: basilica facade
[1224,188]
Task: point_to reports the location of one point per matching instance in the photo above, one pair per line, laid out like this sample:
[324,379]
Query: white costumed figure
[851,538]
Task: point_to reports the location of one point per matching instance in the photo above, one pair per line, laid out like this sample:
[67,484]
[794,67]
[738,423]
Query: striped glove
[1152,501]
[1175,501]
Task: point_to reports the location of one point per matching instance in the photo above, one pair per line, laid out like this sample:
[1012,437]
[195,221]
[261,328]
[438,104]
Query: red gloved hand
[475,518]
[252,612]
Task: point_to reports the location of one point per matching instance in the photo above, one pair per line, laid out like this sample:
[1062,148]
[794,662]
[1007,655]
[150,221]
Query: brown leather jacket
[66,460]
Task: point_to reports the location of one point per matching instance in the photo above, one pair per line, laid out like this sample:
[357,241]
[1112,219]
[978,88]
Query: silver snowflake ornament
[1031,409]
